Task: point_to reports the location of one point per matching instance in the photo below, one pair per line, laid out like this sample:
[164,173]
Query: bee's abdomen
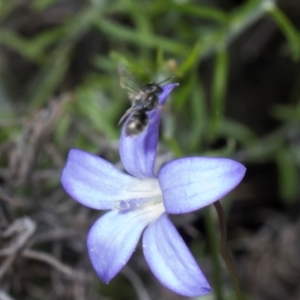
[137,123]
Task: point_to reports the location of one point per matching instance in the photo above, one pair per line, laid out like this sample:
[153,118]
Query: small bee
[142,101]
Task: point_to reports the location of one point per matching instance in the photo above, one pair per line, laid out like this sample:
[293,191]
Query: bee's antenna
[169,78]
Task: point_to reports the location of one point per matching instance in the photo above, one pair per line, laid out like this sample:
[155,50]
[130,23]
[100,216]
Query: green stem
[224,250]
[217,271]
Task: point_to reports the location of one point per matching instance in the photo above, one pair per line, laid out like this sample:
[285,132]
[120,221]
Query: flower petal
[138,152]
[191,183]
[167,89]
[171,261]
[96,183]
[113,238]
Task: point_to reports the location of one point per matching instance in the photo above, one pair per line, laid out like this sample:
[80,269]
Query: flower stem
[224,250]
[217,271]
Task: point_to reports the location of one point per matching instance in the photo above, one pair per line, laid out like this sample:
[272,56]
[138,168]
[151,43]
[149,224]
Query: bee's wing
[127,113]
[128,81]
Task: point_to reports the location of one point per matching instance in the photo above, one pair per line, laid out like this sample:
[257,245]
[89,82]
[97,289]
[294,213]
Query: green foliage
[157,39]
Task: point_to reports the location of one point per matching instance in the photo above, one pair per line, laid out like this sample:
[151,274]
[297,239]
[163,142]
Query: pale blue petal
[96,183]
[192,183]
[171,261]
[113,238]
[138,152]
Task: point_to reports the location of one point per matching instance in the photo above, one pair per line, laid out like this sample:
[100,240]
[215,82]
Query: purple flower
[140,201]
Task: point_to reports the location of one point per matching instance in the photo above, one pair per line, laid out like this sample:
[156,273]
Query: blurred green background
[237,63]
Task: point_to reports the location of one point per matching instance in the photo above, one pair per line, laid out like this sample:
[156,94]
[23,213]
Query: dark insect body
[137,123]
[142,101]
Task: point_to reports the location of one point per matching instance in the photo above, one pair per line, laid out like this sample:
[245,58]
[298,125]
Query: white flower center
[149,198]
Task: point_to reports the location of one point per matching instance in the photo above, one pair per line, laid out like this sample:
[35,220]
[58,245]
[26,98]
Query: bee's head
[152,88]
